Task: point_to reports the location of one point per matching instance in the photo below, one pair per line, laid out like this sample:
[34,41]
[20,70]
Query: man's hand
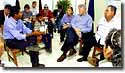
[45,18]
[107,52]
[35,33]
[53,20]
[65,26]
[78,31]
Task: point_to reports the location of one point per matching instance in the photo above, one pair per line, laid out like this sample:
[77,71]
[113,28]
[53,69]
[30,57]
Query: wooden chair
[13,57]
[12,53]
[96,49]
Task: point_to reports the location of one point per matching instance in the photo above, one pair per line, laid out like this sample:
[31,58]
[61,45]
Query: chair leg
[15,59]
[94,51]
[9,58]
[14,52]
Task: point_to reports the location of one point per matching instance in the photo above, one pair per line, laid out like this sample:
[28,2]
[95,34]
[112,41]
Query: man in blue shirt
[15,34]
[71,36]
[65,22]
[82,24]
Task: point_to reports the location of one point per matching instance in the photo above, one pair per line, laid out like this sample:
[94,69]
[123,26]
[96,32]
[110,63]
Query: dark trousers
[71,40]
[62,34]
[89,41]
[57,25]
[47,41]
[22,44]
[50,28]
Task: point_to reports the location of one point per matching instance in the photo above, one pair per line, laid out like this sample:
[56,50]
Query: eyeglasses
[46,7]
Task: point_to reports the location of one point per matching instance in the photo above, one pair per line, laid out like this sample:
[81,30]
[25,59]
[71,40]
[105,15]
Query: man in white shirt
[34,9]
[105,27]
[106,24]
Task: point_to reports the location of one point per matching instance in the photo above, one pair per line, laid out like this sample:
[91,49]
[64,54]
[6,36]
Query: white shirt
[35,11]
[40,26]
[6,16]
[105,27]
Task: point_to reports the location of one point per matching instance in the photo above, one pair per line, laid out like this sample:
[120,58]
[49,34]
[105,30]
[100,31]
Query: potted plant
[64,3]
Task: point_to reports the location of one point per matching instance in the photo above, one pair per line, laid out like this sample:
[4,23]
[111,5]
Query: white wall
[4,2]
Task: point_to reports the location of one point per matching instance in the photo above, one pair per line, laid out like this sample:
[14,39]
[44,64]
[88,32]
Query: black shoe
[82,59]
[72,52]
[101,57]
[61,58]
[49,50]
[38,65]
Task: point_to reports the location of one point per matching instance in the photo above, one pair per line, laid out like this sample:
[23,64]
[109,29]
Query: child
[41,26]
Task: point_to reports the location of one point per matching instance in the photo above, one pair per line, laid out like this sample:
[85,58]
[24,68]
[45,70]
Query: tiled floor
[50,60]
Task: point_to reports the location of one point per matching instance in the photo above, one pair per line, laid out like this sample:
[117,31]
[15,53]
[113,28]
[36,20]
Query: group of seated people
[16,30]
[20,29]
[80,27]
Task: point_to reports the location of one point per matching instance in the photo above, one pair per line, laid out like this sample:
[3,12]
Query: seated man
[82,24]
[15,34]
[4,14]
[106,24]
[45,38]
[58,14]
[48,18]
[34,8]
[27,13]
[65,21]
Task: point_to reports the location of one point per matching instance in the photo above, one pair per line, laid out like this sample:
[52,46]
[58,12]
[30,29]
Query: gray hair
[45,5]
[82,5]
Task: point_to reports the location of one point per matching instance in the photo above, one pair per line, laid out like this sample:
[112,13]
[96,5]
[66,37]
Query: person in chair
[15,34]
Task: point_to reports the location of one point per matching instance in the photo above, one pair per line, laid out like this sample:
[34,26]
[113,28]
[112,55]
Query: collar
[83,14]
[13,19]
[112,20]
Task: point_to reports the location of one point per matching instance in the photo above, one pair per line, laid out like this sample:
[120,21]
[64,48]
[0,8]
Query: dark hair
[38,15]
[8,6]
[14,10]
[113,8]
[2,20]
[69,7]
[33,2]
[27,6]
[60,7]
